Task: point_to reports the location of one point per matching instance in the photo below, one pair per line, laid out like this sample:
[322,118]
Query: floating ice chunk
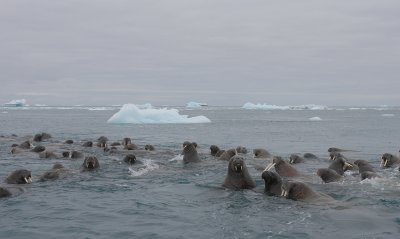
[131,114]
[195,105]
[287,107]
[315,118]
[387,115]
[16,103]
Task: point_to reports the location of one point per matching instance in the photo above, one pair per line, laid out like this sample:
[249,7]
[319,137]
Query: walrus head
[214,149]
[272,180]
[130,158]
[237,165]
[91,163]
[296,190]
[388,160]
[334,155]
[294,158]
[126,141]
[21,176]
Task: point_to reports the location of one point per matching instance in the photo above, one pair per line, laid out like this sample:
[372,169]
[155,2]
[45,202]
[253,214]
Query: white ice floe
[315,118]
[250,105]
[387,115]
[16,103]
[193,104]
[132,114]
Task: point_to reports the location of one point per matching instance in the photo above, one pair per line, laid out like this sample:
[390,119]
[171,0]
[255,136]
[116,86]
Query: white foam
[193,104]
[4,112]
[250,105]
[315,118]
[178,157]
[131,114]
[148,166]
[387,115]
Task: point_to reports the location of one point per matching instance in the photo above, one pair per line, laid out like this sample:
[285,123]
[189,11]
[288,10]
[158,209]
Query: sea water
[162,198]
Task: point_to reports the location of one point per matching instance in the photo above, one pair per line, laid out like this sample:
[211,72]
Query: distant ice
[132,114]
[250,105]
[40,105]
[195,105]
[387,115]
[21,102]
[315,118]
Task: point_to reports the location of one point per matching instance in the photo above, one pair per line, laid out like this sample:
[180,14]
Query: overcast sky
[169,52]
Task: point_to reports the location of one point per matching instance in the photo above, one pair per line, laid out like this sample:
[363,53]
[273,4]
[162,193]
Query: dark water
[164,199]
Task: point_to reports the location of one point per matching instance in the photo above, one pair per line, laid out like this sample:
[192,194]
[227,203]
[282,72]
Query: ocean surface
[162,198]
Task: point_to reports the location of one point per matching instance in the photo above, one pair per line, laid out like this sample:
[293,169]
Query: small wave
[250,105]
[148,166]
[4,112]
[387,115]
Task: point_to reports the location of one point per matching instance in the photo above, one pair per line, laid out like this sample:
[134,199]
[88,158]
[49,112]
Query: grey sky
[98,52]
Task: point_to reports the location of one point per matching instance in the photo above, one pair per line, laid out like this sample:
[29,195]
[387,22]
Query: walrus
[238,176]
[333,149]
[365,169]
[299,191]
[389,160]
[102,142]
[294,158]
[214,149]
[282,167]
[14,145]
[38,149]
[90,163]
[21,176]
[261,153]
[187,142]
[72,154]
[130,159]
[227,155]
[241,150]
[69,141]
[273,183]
[41,137]
[55,173]
[190,153]
[219,153]
[115,144]
[149,147]
[334,155]
[309,156]
[25,145]
[340,165]
[47,154]
[8,191]
[328,175]
[88,144]
[131,147]
[126,141]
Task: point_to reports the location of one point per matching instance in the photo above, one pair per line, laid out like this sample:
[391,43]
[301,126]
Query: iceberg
[252,106]
[15,103]
[193,104]
[132,114]
[315,118]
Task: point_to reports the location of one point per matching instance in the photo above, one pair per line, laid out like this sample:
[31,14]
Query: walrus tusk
[269,167]
[386,161]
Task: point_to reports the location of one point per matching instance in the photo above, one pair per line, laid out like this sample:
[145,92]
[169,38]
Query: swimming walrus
[8,191]
[130,159]
[227,155]
[90,163]
[56,172]
[241,150]
[190,154]
[389,160]
[294,158]
[40,137]
[238,176]
[149,147]
[282,167]
[309,156]
[299,191]
[21,176]
[72,154]
[38,149]
[340,165]
[273,183]
[365,169]
[333,149]
[214,149]
[261,153]
[329,175]
[87,144]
